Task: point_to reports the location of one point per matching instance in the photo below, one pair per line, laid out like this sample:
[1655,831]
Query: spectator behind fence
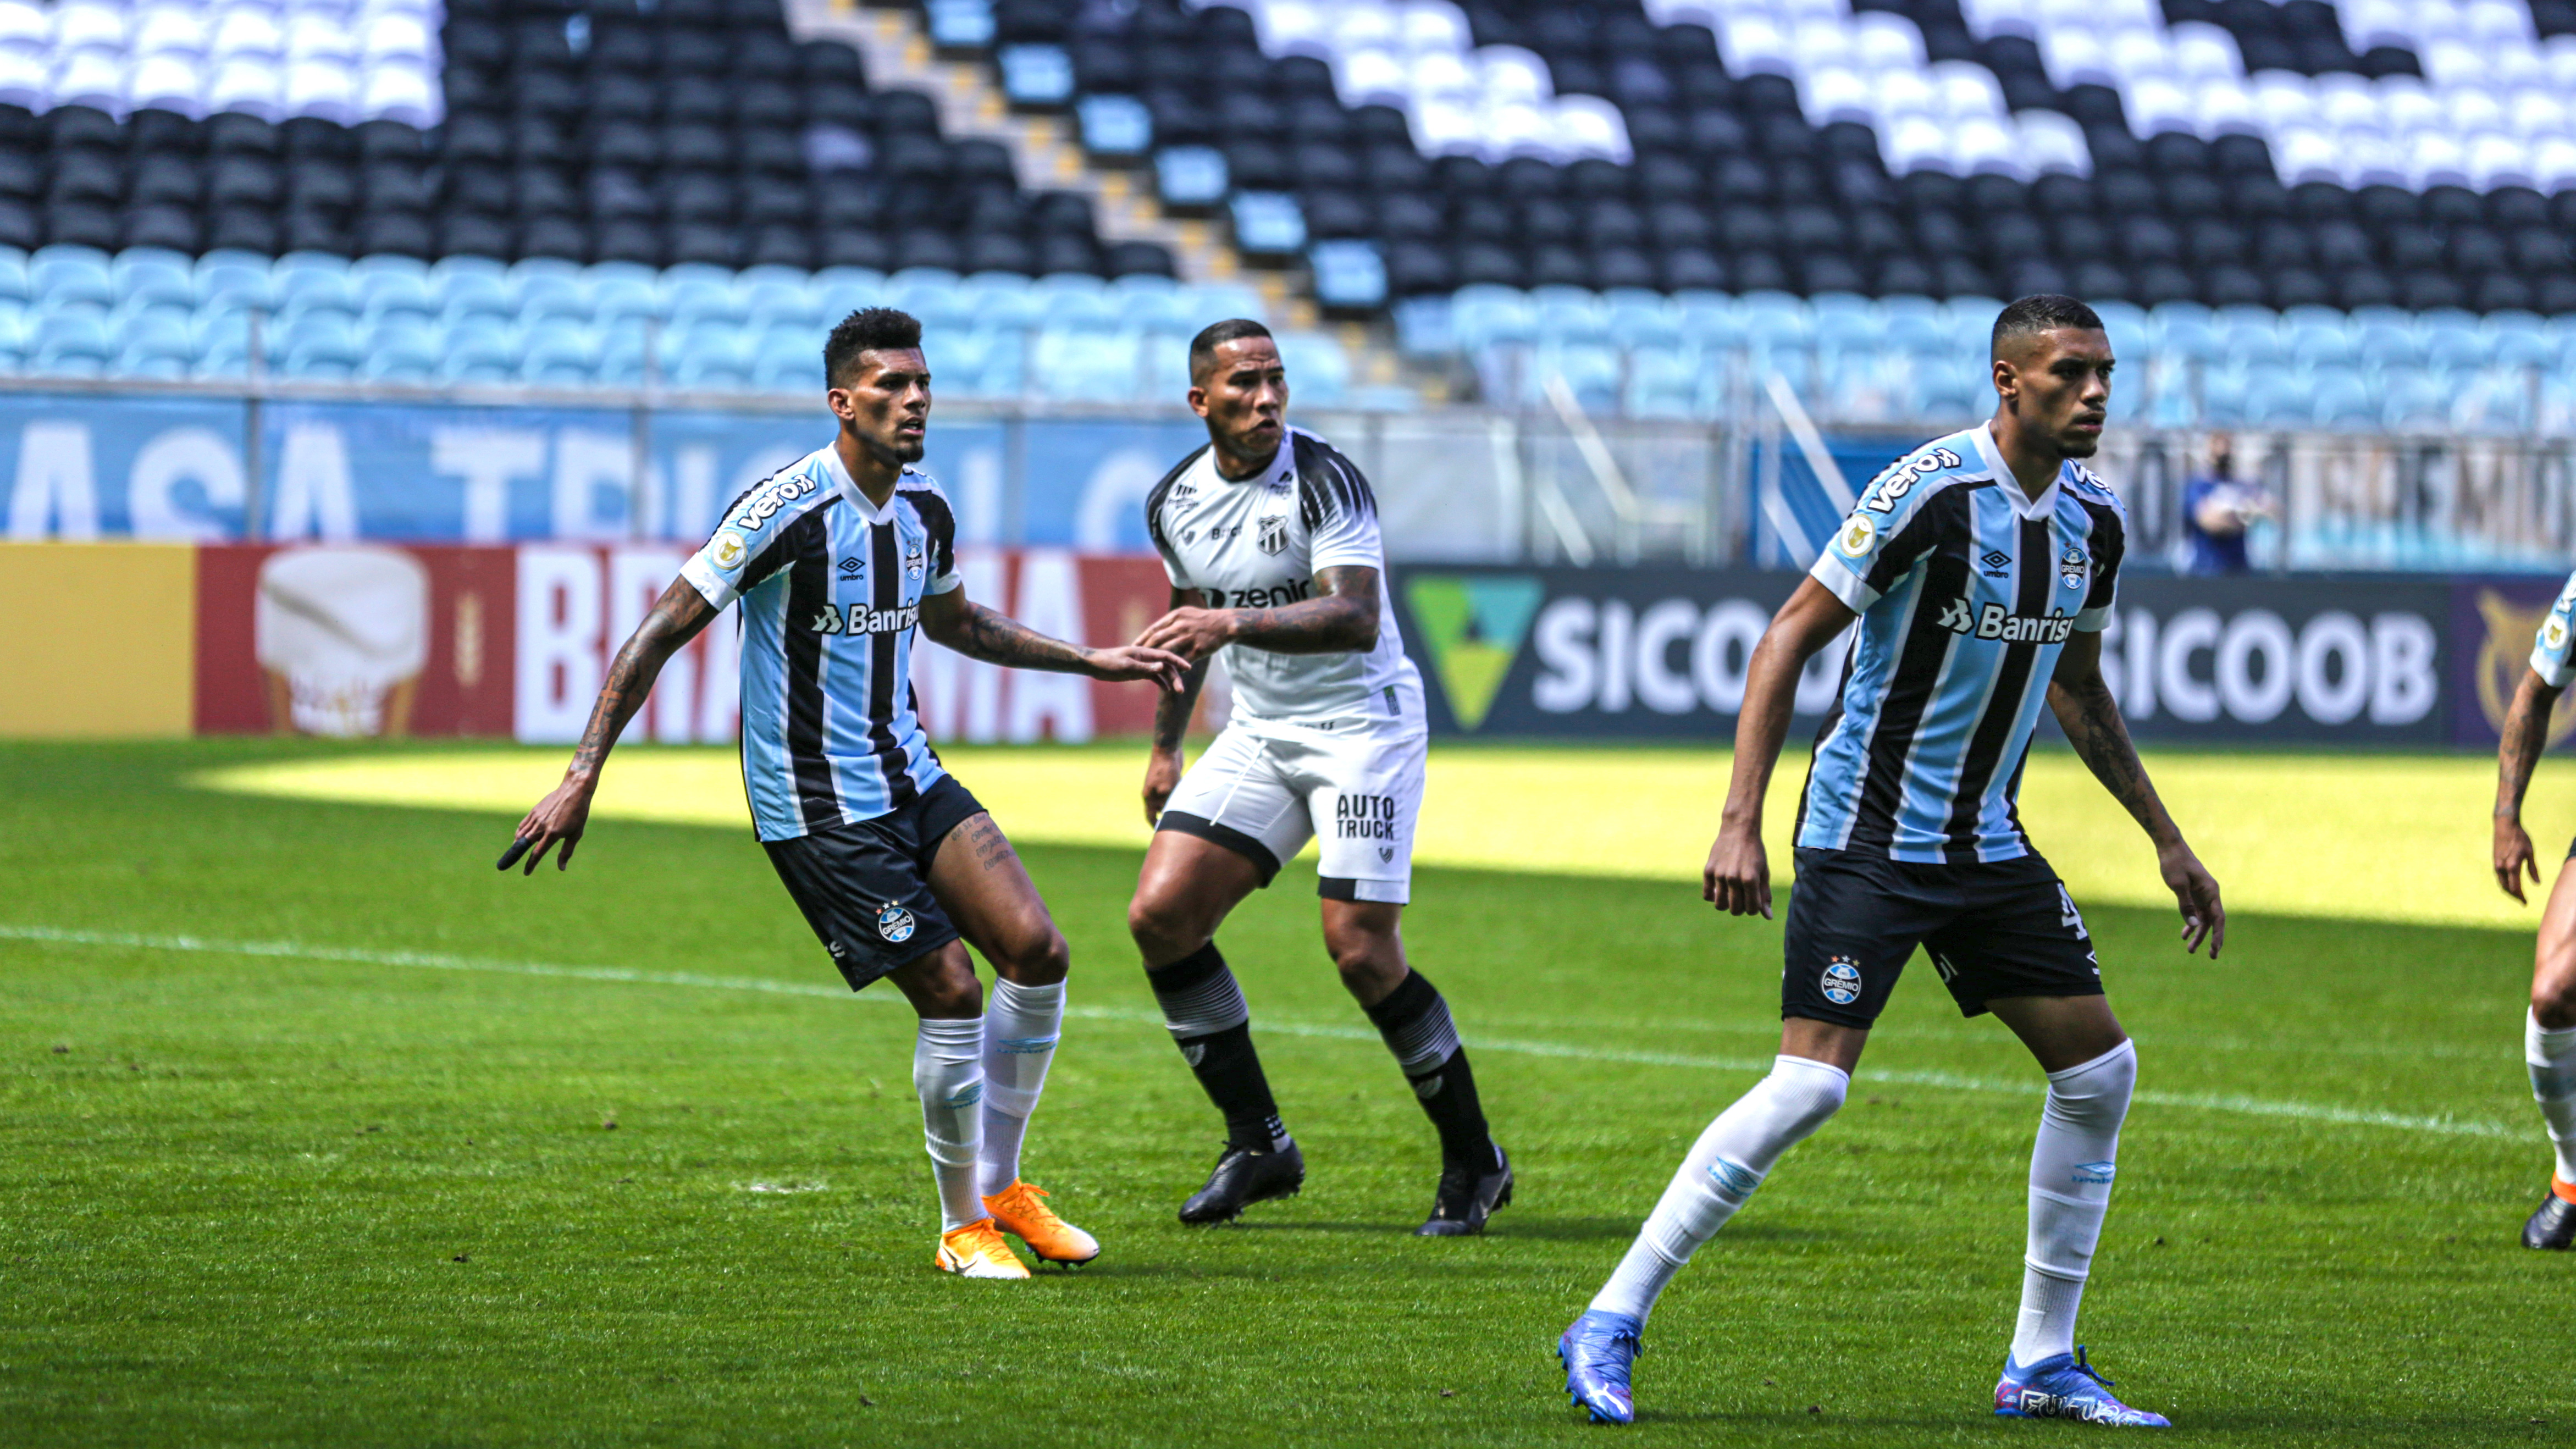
[2218,511]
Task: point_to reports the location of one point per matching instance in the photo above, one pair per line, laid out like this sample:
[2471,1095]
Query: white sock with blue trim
[2551,1055]
[2071,1166]
[1724,1167]
[948,1073]
[1021,1027]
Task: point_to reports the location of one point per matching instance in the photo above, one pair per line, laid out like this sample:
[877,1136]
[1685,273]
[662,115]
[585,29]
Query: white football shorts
[1357,794]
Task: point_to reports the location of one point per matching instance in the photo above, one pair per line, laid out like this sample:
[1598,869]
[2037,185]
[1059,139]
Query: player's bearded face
[1245,397]
[887,405]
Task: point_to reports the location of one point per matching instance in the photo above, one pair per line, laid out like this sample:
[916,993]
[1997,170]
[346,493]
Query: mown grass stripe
[1947,1081]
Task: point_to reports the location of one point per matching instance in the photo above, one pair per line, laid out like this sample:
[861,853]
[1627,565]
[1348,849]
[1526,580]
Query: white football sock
[1724,1167]
[948,1072]
[2071,1167]
[2551,1056]
[1021,1024]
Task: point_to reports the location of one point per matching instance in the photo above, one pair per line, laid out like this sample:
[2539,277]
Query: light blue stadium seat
[1076,300]
[392,291]
[1709,320]
[2385,337]
[13,275]
[840,291]
[1843,319]
[2521,339]
[2276,397]
[1088,364]
[153,343]
[1165,357]
[153,274]
[788,357]
[2251,335]
[1639,318]
[616,299]
[773,295]
[2454,341]
[1482,316]
[1319,372]
[1348,273]
[1952,396]
[1222,301]
[232,278]
[479,353]
[1917,331]
[1592,372]
[1569,316]
[402,351]
[2493,399]
[1422,326]
[61,274]
[1870,385]
[560,356]
[2340,397]
[1670,382]
[1166,310]
[1776,323]
[317,345]
[2412,400]
[2127,325]
[71,342]
[2319,341]
[711,357]
[448,274]
[2187,334]
[980,361]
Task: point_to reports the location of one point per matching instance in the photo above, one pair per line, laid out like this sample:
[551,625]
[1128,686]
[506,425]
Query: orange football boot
[1017,1211]
[977,1251]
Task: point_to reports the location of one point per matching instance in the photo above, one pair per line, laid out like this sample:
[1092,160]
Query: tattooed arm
[1340,619]
[2091,718]
[676,619]
[2526,734]
[980,633]
[1171,723]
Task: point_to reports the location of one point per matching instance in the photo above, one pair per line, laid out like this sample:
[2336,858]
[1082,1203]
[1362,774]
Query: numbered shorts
[865,888]
[2001,929]
[1355,794]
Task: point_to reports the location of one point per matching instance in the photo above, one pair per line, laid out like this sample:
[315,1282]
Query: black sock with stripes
[1204,1011]
[1415,1022]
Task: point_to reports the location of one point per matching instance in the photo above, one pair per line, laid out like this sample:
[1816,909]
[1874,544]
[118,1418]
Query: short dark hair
[1215,335]
[2041,312]
[869,329]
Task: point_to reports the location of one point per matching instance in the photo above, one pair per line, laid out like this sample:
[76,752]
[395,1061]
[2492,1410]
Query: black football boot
[1467,1197]
[1243,1177]
[2554,1226]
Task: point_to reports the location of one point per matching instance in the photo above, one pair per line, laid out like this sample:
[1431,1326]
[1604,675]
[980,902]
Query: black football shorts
[865,888]
[2000,929]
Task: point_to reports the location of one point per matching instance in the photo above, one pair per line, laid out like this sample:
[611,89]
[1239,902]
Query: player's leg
[860,888]
[2549,1049]
[1853,921]
[1222,836]
[979,880]
[1364,794]
[2020,950]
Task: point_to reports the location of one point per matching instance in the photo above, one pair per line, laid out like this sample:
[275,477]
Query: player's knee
[953,995]
[1161,926]
[1040,958]
[2554,1005]
[1371,966]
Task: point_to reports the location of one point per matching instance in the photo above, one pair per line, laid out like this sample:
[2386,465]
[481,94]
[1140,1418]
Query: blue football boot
[1597,1349]
[2064,1386]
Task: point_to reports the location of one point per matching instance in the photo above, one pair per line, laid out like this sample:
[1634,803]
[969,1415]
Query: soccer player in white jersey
[1271,541]
[1981,569]
[837,561]
[2549,1030]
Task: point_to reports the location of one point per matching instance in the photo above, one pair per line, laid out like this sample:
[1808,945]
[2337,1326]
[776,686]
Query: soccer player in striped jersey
[1271,541]
[839,561]
[2549,1031]
[1981,569]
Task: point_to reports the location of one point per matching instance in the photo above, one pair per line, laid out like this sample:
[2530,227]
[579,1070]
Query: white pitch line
[436,961]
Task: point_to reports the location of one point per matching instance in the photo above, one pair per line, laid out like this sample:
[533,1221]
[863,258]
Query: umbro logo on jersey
[864,620]
[850,567]
[1997,562]
[1181,493]
[1274,534]
[1994,621]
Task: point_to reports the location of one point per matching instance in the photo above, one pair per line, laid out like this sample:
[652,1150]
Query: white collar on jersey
[849,487]
[2040,507]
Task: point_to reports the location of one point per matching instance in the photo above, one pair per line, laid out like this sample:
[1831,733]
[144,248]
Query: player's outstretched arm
[1171,724]
[1340,619]
[980,633]
[2082,702]
[560,817]
[1738,876]
[2526,734]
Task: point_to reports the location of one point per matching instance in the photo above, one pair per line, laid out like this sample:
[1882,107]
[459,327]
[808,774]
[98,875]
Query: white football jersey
[1258,543]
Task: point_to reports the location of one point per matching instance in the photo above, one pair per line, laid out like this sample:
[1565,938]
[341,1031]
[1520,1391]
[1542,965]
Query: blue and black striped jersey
[831,592]
[1967,592]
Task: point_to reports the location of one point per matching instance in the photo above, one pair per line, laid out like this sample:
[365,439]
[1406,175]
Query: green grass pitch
[368,1187]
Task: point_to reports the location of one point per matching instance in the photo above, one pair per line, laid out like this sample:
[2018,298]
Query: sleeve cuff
[945,584]
[1366,558]
[2553,672]
[2093,621]
[1842,583]
[703,577]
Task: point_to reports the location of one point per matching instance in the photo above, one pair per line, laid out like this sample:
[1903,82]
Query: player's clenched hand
[1192,633]
[1162,777]
[2203,918]
[558,819]
[2513,856]
[1738,878]
[1123,662]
